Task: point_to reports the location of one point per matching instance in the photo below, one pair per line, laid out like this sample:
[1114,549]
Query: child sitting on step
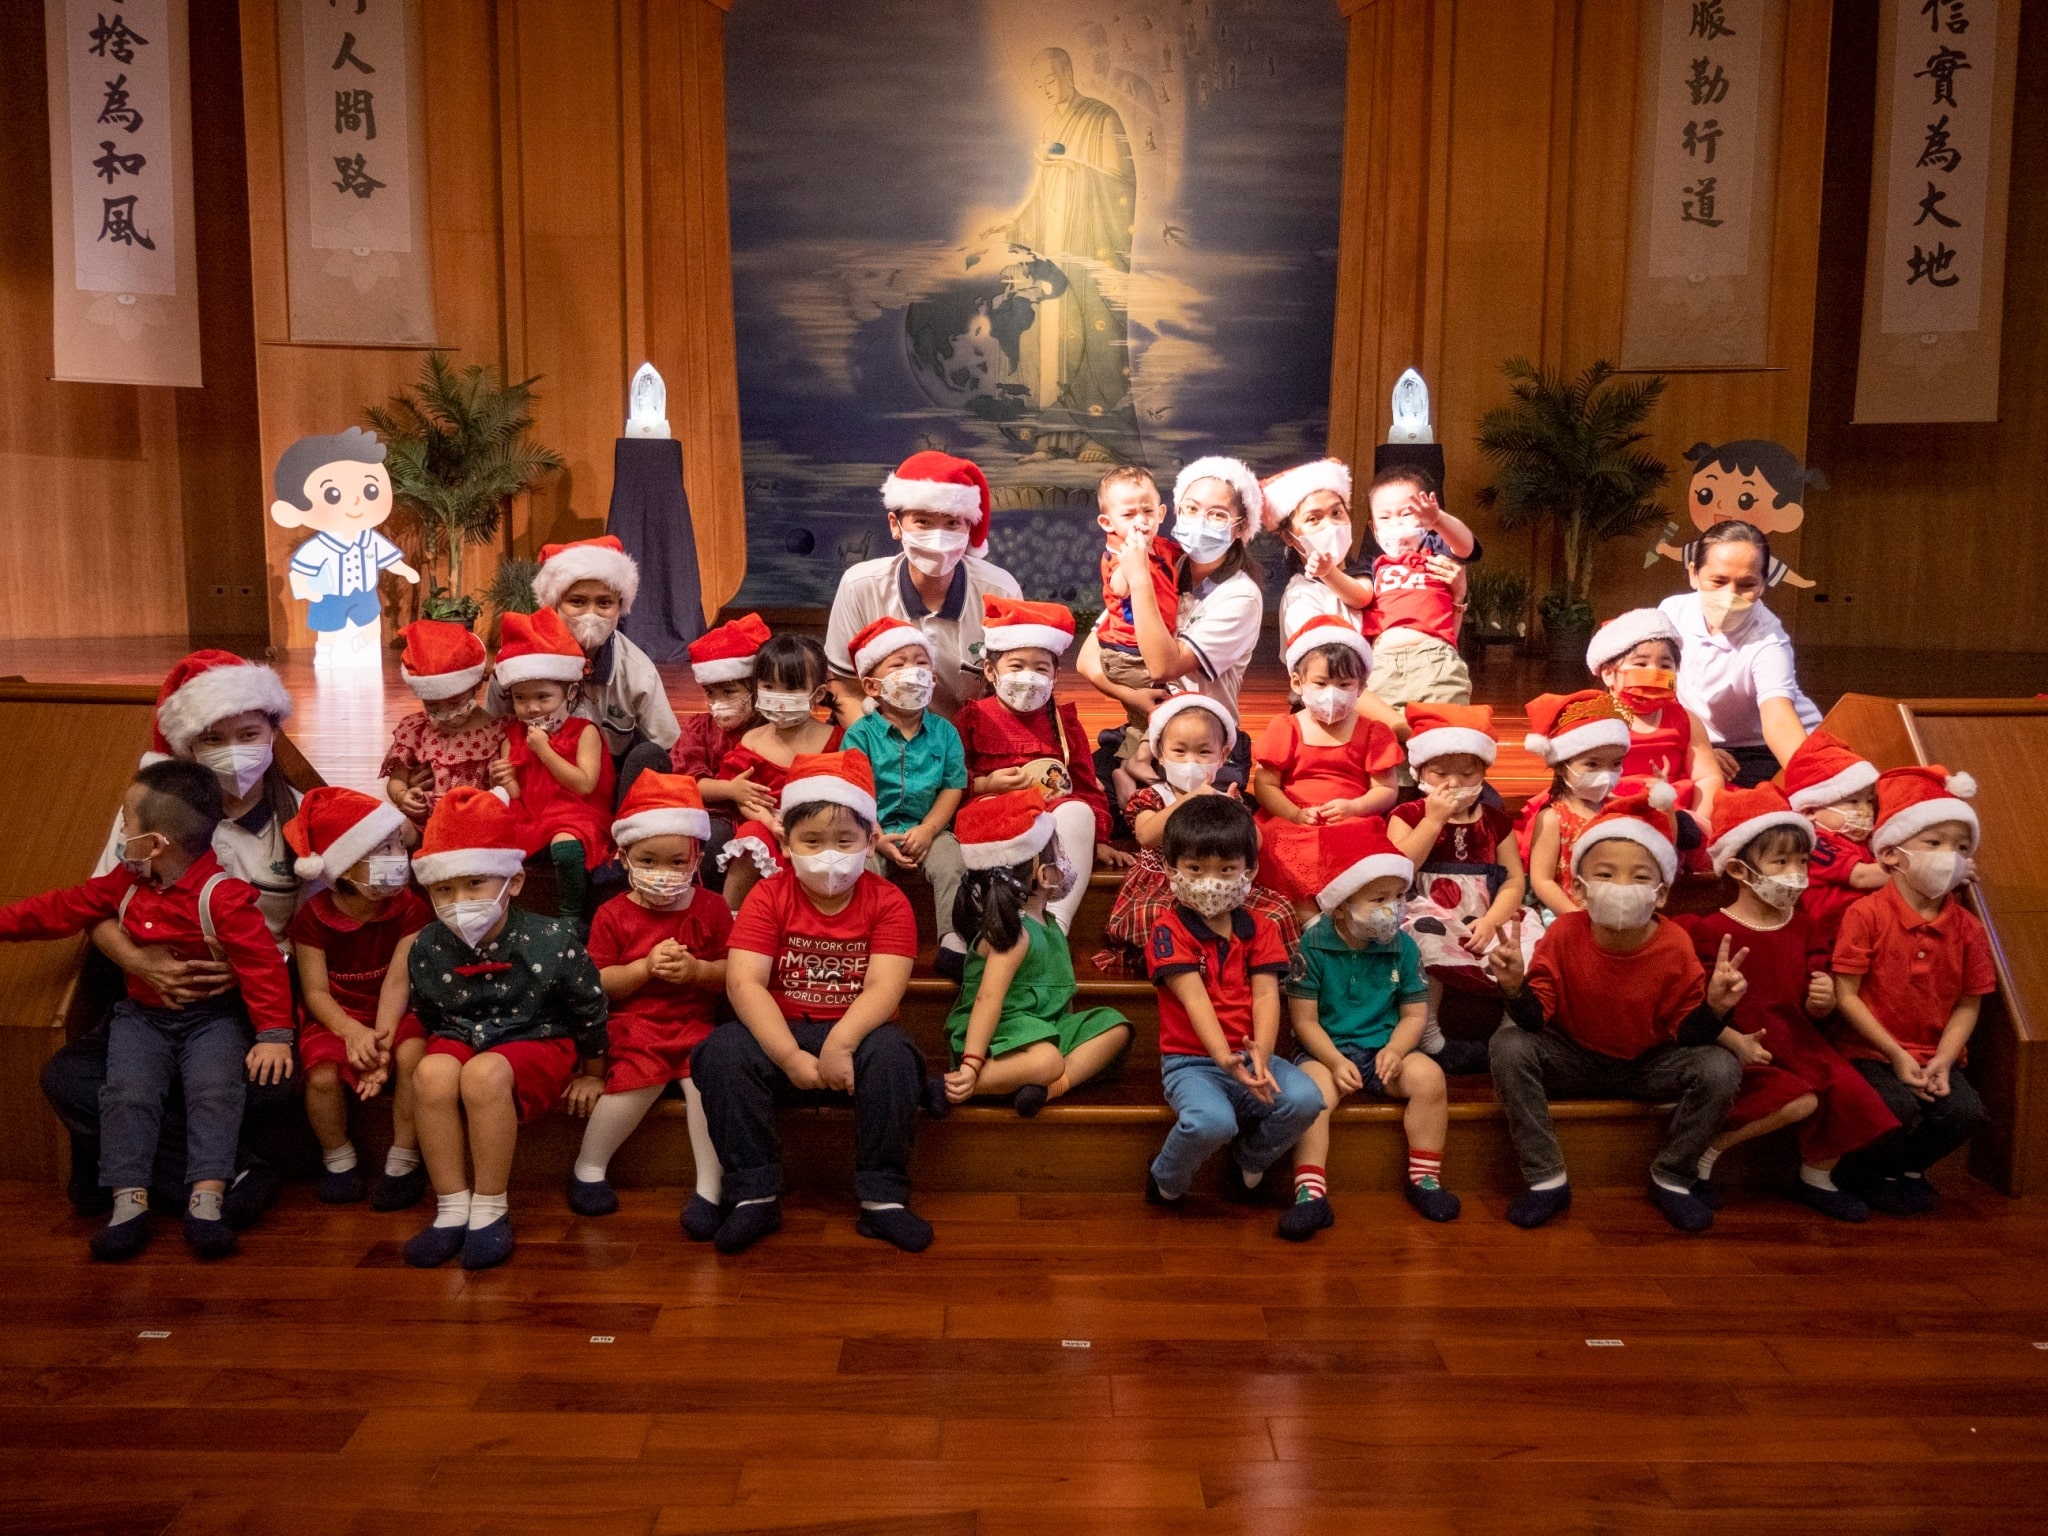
[1014,1028]
[793,697]
[1635,657]
[451,739]
[722,661]
[350,942]
[1583,739]
[1837,790]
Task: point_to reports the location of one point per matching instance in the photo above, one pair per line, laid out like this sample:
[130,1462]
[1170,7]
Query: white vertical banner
[125,281]
[1934,274]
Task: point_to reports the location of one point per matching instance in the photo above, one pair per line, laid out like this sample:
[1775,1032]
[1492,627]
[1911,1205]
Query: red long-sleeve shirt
[170,917]
[996,737]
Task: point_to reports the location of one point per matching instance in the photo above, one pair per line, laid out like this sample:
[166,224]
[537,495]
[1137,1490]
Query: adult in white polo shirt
[939,511]
[1736,669]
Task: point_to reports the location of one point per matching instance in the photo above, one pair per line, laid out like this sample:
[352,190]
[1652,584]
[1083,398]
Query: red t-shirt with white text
[820,962]
[1406,596]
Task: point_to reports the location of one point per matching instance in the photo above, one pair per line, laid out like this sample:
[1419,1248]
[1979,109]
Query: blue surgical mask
[1201,539]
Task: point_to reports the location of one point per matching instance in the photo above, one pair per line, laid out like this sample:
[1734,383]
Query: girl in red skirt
[451,739]
[1583,738]
[793,696]
[1635,657]
[1791,1075]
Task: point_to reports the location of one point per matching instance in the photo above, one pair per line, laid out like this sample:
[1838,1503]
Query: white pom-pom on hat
[1662,795]
[309,866]
[1962,785]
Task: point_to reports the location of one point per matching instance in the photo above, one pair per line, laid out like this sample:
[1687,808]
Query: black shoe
[1921,1197]
[1435,1204]
[701,1219]
[110,1245]
[398,1191]
[897,1224]
[1029,1099]
[936,1104]
[1838,1203]
[1687,1212]
[434,1246]
[1888,1196]
[1236,1191]
[344,1188]
[591,1197]
[88,1196]
[951,964]
[746,1225]
[254,1190]
[487,1247]
[1710,1194]
[1533,1207]
[1154,1196]
[209,1237]
[1305,1218]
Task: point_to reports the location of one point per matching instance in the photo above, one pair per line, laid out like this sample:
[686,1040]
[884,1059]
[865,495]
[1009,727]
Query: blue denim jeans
[204,1049]
[1215,1108]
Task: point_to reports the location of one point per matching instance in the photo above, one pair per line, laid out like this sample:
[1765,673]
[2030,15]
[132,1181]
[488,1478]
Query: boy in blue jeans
[1218,968]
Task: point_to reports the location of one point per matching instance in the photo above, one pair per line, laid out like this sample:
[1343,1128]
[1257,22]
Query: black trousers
[742,1088]
[1929,1129]
[634,761]
[1753,765]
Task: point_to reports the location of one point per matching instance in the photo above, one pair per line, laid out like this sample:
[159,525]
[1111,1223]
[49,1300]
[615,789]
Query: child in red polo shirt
[1616,1005]
[1911,970]
[1827,782]
[660,954]
[351,942]
[1218,968]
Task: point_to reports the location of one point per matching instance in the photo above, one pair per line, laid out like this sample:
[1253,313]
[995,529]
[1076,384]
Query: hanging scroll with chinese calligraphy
[125,286]
[1934,273]
[1701,224]
[355,172]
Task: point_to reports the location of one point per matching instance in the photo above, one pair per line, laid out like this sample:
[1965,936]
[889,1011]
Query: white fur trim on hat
[1375,866]
[728,669]
[1017,637]
[1619,636]
[1024,845]
[887,643]
[217,693]
[1286,491]
[539,667]
[1180,704]
[1852,780]
[454,863]
[1921,815]
[1306,640]
[1449,741]
[666,821]
[1743,833]
[341,854]
[1233,472]
[588,562]
[435,686]
[941,496]
[829,787]
[1628,830]
[1580,738]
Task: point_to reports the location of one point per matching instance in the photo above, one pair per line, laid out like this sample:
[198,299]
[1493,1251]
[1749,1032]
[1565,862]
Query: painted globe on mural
[964,343]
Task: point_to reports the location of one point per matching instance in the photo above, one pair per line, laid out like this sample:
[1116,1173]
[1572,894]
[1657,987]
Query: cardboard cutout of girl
[1752,480]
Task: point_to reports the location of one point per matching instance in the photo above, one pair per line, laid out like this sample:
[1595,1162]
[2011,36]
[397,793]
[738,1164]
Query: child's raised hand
[1505,960]
[582,1094]
[1440,802]
[1727,983]
[1749,1050]
[1107,857]
[1425,509]
[536,740]
[269,1063]
[1820,994]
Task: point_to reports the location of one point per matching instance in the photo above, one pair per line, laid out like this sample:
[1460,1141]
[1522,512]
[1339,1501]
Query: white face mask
[1188,776]
[783,710]
[447,717]
[830,874]
[238,767]
[1463,800]
[1332,540]
[470,920]
[934,551]
[1595,784]
[669,889]
[1934,872]
[1778,891]
[1211,895]
[1858,825]
[592,629]
[1201,540]
[138,863]
[1724,612]
[1329,703]
[385,874]
[731,714]
[1398,540]
[1620,906]
[908,688]
[1024,691]
[1378,922]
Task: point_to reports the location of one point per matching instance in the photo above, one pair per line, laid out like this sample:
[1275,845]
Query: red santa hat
[1232,472]
[441,660]
[1823,770]
[884,638]
[1912,799]
[1351,855]
[207,687]
[1743,815]
[335,827]
[842,778]
[1618,636]
[1012,624]
[661,805]
[1645,819]
[726,654]
[1326,629]
[943,483]
[1180,704]
[537,647]
[998,831]
[1563,725]
[601,559]
[472,832]
[1283,494]
[1449,730]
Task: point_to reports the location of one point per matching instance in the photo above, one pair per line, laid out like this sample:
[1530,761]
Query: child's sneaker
[487,1247]
[1533,1207]
[1838,1203]
[434,1246]
[254,1190]
[1710,1193]
[123,1240]
[745,1225]
[1686,1211]
[1431,1199]
[897,1224]
[1154,1195]
[1918,1195]
[1305,1218]
[1236,1190]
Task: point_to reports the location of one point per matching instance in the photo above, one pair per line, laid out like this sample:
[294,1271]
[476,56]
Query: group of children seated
[736,924]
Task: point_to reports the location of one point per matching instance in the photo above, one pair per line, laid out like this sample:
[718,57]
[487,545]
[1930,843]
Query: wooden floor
[1071,1364]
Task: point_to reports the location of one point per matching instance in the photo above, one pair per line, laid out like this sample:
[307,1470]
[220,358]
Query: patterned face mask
[669,889]
[1212,895]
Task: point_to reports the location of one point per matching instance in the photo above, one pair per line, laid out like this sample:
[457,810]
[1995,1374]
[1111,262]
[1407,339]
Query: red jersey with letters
[1406,596]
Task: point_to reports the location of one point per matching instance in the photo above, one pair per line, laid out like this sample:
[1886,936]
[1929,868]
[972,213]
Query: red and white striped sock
[1309,1183]
[1424,1165]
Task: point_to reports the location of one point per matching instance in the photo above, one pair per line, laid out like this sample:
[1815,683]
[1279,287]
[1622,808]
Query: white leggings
[616,1116]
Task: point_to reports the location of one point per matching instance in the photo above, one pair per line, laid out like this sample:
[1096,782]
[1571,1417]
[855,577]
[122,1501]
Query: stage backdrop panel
[1045,234]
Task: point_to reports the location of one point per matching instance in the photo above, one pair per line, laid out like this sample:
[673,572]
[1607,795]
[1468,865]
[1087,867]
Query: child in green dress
[1014,1029]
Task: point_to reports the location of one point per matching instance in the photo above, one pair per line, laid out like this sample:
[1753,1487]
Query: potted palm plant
[1569,452]
[457,449]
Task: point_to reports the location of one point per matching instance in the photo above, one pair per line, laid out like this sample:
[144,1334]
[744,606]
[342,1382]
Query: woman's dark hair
[1779,466]
[278,793]
[791,663]
[1731,531]
[809,810]
[1775,840]
[1209,827]
[183,804]
[1344,664]
[990,904]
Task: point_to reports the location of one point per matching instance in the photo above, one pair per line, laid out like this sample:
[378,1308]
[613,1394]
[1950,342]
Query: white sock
[338,1159]
[1251,1180]
[613,1118]
[485,1209]
[205,1204]
[400,1161]
[758,1200]
[1556,1182]
[1432,1042]
[452,1210]
[1707,1160]
[1911,1175]
[954,942]
[710,1176]
[1819,1178]
[868,1205]
[1676,1189]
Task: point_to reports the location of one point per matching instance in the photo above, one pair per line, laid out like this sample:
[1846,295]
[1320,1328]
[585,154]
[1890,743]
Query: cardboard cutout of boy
[1752,480]
[338,486]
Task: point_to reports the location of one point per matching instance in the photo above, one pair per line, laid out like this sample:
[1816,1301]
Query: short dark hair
[355,446]
[1779,465]
[1344,663]
[808,810]
[1731,531]
[1403,474]
[1209,827]
[1125,474]
[793,663]
[1776,840]
[183,803]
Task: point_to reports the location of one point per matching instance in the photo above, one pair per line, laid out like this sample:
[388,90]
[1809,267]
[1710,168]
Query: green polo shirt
[1358,992]
[910,771]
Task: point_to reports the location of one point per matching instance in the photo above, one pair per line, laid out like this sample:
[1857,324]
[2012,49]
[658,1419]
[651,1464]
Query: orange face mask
[1644,689]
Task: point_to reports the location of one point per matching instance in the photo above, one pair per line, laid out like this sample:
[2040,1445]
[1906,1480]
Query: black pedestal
[650,515]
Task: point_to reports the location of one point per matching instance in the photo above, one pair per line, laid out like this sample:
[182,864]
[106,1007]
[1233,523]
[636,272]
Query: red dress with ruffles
[757,839]
[546,808]
[1312,776]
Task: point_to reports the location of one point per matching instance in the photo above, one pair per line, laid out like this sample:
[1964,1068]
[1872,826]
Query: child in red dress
[660,954]
[1635,657]
[793,697]
[1584,739]
[1790,1074]
[1834,787]
[452,739]
[350,942]
[722,660]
